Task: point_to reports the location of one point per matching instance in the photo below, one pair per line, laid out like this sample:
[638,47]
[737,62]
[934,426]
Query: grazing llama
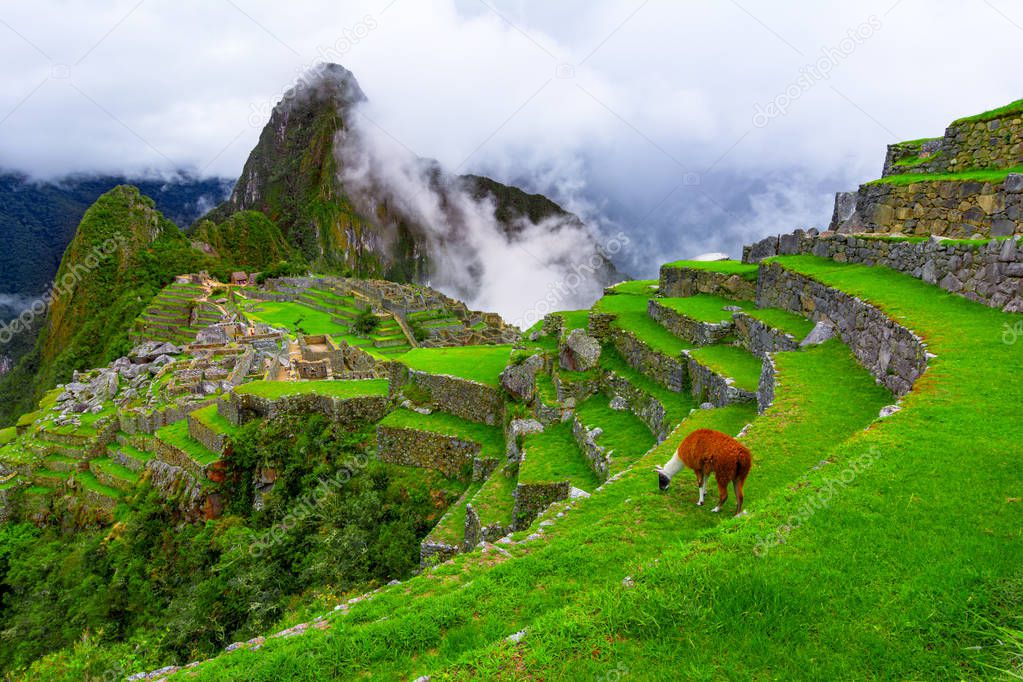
[705,451]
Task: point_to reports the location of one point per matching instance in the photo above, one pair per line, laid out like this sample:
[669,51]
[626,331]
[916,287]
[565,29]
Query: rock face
[580,351]
[296,175]
[520,380]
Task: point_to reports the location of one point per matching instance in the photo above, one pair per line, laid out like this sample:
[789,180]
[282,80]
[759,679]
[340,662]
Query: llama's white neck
[673,466]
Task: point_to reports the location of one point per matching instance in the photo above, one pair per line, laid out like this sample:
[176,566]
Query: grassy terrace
[704,307]
[631,312]
[724,267]
[112,468]
[567,589]
[637,287]
[8,434]
[483,364]
[134,453]
[335,389]
[88,481]
[677,405]
[212,419]
[731,361]
[295,317]
[575,319]
[783,320]
[451,528]
[176,435]
[491,438]
[494,502]
[624,433]
[553,456]
[978,175]
[1006,110]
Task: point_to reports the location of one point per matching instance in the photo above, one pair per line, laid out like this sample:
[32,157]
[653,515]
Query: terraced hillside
[878,409]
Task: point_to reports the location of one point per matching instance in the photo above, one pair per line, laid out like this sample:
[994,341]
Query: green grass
[211,418]
[176,435]
[491,438]
[637,287]
[746,271]
[134,453]
[88,481]
[295,317]
[483,364]
[494,501]
[335,389]
[704,307]
[977,175]
[731,361]
[567,589]
[676,405]
[451,528]
[632,316]
[553,456]
[783,320]
[8,434]
[112,468]
[1006,110]
[575,319]
[624,433]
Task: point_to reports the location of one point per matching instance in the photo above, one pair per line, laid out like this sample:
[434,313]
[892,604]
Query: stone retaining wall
[680,282]
[768,383]
[210,439]
[997,143]
[597,455]
[138,421]
[647,408]
[668,371]
[759,338]
[893,354]
[461,397]
[454,457]
[242,408]
[991,274]
[709,386]
[176,457]
[687,328]
[960,209]
[599,326]
[533,498]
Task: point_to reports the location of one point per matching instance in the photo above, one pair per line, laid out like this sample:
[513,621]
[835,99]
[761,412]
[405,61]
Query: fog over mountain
[692,126]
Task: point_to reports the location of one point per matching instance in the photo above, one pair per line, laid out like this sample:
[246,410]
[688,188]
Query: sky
[689,126]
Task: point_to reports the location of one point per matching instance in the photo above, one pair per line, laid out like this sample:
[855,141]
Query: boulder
[618,403]
[520,380]
[821,332]
[580,352]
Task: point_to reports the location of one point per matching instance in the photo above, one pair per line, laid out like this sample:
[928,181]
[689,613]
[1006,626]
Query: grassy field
[490,437]
[783,320]
[553,456]
[624,433]
[725,267]
[334,389]
[176,435]
[733,362]
[295,317]
[632,316]
[483,364]
[704,307]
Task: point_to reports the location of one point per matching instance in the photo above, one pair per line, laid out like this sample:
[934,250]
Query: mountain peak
[324,82]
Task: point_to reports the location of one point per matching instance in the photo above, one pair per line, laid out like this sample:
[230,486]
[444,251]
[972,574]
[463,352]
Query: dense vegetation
[246,241]
[152,588]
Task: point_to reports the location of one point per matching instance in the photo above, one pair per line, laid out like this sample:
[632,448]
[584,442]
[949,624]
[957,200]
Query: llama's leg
[701,480]
[737,489]
[722,495]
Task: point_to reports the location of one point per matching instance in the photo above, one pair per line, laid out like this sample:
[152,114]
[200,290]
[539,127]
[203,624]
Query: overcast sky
[693,126]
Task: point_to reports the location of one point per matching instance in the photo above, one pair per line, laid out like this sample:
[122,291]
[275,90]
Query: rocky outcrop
[579,352]
[520,379]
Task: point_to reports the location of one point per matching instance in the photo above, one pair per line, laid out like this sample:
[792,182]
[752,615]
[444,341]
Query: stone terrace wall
[997,143]
[533,498]
[210,439]
[709,386]
[139,421]
[668,371]
[694,331]
[649,410]
[991,274]
[242,408]
[681,282]
[597,455]
[461,397]
[759,338]
[893,354]
[957,209]
[453,457]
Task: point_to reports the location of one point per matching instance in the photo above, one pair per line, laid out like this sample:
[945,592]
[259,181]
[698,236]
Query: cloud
[608,106]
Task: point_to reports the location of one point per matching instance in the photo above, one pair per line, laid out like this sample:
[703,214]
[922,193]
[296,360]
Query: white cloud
[655,90]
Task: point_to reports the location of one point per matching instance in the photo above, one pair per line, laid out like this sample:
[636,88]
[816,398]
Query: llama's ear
[659,470]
